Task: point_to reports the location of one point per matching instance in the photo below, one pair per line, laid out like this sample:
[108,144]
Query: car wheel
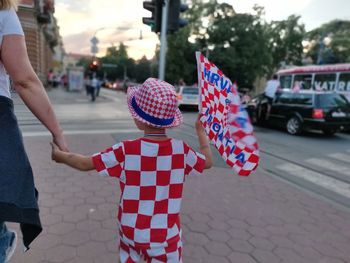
[294,125]
[329,131]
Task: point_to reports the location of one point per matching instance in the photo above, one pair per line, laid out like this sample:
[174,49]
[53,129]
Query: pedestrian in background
[152,171]
[98,88]
[18,196]
[94,87]
[87,83]
[50,78]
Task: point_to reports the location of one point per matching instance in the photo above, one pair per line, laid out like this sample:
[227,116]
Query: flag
[225,120]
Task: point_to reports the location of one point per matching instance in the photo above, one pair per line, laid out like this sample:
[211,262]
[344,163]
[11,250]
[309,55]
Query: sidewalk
[225,218]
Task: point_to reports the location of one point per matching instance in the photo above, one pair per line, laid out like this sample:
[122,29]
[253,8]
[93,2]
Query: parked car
[187,96]
[298,111]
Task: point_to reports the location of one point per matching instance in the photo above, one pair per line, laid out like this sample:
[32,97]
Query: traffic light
[155,21]
[93,66]
[174,20]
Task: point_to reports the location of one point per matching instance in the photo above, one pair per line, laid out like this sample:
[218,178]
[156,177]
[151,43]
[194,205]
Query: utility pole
[163,40]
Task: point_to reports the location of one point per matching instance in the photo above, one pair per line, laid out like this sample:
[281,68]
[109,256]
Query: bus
[334,77]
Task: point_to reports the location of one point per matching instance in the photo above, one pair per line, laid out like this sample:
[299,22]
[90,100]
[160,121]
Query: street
[294,208]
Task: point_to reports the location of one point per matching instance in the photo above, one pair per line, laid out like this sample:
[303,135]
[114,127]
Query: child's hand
[198,125]
[55,152]
[60,141]
[204,144]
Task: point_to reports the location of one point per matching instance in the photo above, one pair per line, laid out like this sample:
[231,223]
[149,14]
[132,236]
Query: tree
[142,70]
[117,56]
[240,45]
[330,43]
[181,61]
[285,41]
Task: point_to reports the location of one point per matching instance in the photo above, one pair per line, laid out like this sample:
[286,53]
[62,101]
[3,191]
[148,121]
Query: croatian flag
[225,120]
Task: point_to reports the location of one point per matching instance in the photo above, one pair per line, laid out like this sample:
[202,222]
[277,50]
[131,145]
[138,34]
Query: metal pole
[163,42]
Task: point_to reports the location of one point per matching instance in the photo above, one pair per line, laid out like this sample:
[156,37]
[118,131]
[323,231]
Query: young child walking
[151,171]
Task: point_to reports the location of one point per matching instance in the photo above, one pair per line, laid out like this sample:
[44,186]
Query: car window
[302,99]
[302,82]
[284,98]
[191,91]
[344,82]
[286,82]
[325,81]
[331,100]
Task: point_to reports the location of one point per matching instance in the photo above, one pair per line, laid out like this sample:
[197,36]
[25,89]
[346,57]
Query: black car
[298,111]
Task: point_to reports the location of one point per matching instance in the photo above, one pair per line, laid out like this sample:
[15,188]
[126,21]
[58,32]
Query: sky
[113,21]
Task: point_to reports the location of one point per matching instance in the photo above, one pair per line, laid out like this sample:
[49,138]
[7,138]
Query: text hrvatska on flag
[225,120]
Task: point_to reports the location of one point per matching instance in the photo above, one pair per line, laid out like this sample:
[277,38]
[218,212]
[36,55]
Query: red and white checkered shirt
[151,175]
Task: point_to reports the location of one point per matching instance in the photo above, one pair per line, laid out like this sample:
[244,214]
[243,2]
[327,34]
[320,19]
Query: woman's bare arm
[15,59]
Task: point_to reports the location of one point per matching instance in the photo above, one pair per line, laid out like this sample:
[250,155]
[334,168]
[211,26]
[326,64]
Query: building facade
[44,44]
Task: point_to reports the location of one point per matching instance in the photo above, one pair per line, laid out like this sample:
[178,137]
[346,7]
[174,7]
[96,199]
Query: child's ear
[139,125]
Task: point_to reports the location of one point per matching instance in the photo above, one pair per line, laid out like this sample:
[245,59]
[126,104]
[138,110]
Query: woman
[18,197]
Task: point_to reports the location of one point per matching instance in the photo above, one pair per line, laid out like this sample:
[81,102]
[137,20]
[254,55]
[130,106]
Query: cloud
[80,19]
[275,9]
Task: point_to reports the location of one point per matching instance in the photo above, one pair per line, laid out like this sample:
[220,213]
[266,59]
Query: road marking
[329,166]
[82,100]
[329,183]
[340,156]
[113,95]
[67,132]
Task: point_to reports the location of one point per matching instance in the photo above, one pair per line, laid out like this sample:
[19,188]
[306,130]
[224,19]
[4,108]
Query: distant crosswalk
[79,132]
[331,172]
[330,165]
[341,156]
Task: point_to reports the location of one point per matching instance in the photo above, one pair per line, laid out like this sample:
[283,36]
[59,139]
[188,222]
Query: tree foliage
[285,41]
[117,56]
[337,50]
[240,45]
[244,45]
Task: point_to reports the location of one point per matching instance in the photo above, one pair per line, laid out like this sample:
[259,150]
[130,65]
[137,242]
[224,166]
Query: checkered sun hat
[154,103]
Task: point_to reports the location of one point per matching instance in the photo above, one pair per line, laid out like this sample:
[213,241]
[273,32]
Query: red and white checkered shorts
[170,254]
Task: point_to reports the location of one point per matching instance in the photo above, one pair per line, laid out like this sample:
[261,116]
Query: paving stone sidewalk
[225,218]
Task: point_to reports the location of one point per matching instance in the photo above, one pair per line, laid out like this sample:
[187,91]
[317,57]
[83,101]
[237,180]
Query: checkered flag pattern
[170,254]
[151,176]
[156,100]
[154,103]
[226,122]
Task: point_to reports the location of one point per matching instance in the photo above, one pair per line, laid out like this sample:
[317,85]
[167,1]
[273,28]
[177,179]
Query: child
[151,171]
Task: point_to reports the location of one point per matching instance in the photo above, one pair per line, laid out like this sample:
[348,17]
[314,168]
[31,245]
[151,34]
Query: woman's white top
[9,25]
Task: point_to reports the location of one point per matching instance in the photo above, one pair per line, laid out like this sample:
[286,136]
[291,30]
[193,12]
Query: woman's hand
[60,142]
